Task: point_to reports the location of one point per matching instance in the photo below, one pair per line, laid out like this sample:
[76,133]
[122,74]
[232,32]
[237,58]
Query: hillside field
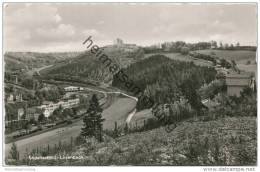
[241,57]
[186,58]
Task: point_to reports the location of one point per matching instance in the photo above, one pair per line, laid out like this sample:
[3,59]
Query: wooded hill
[87,66]
[165,80]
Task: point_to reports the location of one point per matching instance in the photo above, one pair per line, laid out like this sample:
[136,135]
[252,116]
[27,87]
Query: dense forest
[88,66]
[165,80]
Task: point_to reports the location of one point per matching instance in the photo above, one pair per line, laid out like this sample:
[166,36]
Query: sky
[50,27]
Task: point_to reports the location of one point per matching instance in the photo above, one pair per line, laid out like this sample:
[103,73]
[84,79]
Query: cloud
[93,32]
[31,23]
[101,22]
[32,15]
[41,26]
[57,18]
[62,31]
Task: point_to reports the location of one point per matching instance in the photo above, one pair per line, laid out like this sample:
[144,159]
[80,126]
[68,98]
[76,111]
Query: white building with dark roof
[49,108]
[73,88]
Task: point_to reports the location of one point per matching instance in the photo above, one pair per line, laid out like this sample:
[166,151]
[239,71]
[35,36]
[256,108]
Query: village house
[33,113]
[49,108]
[12,98]
[223,70]
[19,98]
[237,82]
[73,88]
[20,113]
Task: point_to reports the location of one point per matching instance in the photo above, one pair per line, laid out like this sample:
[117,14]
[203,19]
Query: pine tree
[115,130]
[93,121]
[126,129]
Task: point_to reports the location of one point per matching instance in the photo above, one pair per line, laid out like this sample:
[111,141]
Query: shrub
[79,140]
[185,50]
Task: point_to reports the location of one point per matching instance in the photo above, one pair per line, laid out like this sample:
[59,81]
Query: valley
[168,78]
[130,84]
[111,101]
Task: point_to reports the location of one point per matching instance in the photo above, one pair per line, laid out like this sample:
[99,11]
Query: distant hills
[17,61]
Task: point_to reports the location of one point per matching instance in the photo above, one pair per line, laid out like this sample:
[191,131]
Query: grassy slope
[26,60]
[139,117]
[231,141]
[186,58]
[241,57]
[159,147]
[12,64]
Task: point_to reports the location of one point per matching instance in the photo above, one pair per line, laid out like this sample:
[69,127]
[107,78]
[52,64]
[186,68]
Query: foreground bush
[226,141]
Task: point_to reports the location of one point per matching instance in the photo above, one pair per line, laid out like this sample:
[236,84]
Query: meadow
[240,56]
[186,58]
[245,60]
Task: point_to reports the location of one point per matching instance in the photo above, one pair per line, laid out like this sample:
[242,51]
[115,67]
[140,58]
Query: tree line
[179,46]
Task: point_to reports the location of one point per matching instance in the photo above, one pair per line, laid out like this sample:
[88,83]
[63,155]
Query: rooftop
[237,76]
[34,110]
[238,79]
[242,82]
